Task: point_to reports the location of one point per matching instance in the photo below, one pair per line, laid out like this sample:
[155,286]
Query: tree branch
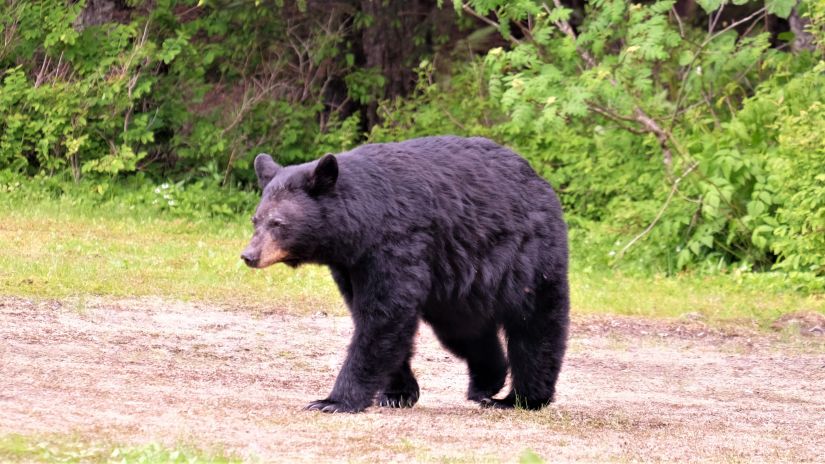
[661,135]
[650,226]
[716,19]
[639,115]
[732,25]
[466,8]
[620,120]
[567,29]
[679,21]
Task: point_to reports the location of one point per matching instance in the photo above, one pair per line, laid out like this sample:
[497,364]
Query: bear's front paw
[331,406]
[397,400]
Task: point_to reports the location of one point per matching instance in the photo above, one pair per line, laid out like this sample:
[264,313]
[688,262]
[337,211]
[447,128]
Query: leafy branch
[648,123]
[469,10]
[674,188]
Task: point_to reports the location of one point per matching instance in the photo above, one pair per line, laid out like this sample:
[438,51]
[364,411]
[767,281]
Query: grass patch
[22,448]
[713,298]
[56,249]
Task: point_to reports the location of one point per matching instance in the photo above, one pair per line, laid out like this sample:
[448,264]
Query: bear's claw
[331,406]
[396,400]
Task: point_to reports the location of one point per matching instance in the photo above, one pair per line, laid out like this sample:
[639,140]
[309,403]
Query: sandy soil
[136,371]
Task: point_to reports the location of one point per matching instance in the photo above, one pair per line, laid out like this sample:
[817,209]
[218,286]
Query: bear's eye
[275,222]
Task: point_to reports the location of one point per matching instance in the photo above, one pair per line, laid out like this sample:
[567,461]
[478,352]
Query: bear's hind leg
[402,391]
[536,348]
[486,362]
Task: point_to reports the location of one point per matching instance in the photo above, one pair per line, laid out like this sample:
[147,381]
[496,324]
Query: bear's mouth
[271,254]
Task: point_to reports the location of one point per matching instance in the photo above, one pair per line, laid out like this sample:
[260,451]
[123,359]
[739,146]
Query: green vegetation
[529,457]
[63,248]
[193,91]
[694,148]
[686,145]
[22,448]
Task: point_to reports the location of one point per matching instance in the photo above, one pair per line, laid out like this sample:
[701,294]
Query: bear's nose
[249,259]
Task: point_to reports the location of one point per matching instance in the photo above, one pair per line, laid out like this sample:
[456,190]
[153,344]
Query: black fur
[459,232]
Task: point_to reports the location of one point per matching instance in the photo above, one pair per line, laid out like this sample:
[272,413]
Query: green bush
[166,94]
[199,199]
[77,110]
[674,145]
[799,227]
[680,145]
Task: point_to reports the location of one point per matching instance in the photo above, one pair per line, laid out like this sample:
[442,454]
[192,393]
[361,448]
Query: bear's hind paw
[513,402]
[492,403]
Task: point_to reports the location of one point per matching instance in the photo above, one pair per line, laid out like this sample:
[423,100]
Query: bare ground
[150,370]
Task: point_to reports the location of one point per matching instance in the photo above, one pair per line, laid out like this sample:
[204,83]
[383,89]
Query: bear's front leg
[378,349]
[402,390]
[385,315]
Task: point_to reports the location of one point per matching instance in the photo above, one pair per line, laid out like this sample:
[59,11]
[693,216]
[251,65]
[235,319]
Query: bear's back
[458,157]
[479,215]
[468,178]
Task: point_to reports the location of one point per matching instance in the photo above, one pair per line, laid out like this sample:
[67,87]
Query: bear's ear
[324,176]
[265,168]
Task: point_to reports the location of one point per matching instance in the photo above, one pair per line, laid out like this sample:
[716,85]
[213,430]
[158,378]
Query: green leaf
[710,5]
[781,8]
[683,258]
[786,36]
[559,14]
[756,208]
[685,58]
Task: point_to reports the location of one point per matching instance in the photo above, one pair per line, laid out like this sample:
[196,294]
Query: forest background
[686,141]
[683,137]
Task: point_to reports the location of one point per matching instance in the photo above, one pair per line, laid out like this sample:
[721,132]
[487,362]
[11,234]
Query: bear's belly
[460,319]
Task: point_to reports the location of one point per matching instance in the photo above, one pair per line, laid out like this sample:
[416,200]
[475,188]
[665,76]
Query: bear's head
[289,221]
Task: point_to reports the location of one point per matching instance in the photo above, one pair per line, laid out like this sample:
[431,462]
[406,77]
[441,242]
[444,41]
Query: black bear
[459,232]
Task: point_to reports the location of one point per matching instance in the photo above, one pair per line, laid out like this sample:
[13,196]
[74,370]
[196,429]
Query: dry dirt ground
[149,370]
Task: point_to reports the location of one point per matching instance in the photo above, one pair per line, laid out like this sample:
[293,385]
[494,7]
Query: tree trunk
[803,40]
[102,11]
[396,40]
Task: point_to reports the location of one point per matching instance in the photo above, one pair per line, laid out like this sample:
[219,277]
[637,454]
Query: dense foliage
[677,140]
[179,88]
[674,146]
